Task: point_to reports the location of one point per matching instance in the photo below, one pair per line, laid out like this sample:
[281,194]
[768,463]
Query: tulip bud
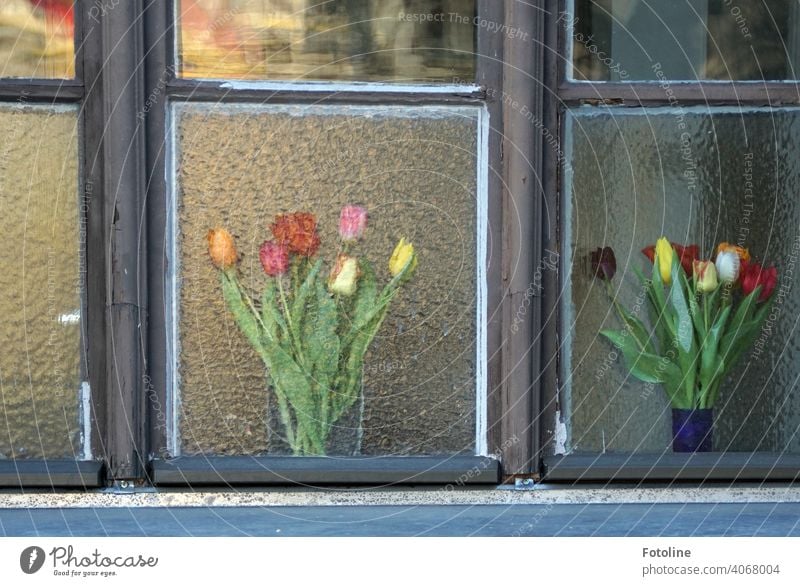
[705,276]
[221,248]
[403,255]
[604,263]
[344,276]
[274,258]
[727,266]
[352,223]
[664,253]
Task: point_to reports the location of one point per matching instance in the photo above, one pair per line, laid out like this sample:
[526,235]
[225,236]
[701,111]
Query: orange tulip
[742,253]
[221,248]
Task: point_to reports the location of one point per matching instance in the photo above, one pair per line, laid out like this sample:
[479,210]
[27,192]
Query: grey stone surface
[695,519]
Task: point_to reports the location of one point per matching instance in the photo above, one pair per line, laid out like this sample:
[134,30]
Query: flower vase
[692,430]
[344,438]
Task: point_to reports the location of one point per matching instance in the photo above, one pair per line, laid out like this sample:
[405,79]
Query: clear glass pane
[626,40]
[345,40]
[415,171]
[37,38]
[700,177]
[40,283]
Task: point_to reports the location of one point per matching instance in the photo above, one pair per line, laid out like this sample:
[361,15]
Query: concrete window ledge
[772,510]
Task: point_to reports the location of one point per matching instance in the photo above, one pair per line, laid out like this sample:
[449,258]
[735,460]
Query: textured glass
[345,40]
[40,283]
[626,40]
[37,38]
[415,170]
[696,176]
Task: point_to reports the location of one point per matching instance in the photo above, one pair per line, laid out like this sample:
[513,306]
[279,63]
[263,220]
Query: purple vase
[692,430]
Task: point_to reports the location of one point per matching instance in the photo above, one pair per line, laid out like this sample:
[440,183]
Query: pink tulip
[274,258]
[352,223]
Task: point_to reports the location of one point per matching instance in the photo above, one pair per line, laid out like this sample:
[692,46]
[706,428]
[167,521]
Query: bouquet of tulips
[311,333]
[703,316]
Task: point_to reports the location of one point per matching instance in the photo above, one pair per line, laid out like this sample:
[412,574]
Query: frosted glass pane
[40,283]
[346,40]
[697,176]
[37,38]
[415,170]
[626,40]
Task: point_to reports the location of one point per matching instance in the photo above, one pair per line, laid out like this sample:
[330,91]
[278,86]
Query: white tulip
[728,265]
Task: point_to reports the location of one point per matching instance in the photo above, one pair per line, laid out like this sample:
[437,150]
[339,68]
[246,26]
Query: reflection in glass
[40,283]
[696,176]
[37,38]
[626,40]
[346,40]
[415,170]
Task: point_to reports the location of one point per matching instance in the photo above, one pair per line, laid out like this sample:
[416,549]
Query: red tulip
[298,232]
[274,258]
[752,275]
[686,255]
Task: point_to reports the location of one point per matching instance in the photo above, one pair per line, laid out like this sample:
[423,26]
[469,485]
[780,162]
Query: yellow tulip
[705,276]
[403,255]
[664,253]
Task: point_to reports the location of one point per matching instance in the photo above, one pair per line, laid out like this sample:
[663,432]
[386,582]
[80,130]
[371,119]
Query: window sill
[672,467]
[322,471]
[51,474]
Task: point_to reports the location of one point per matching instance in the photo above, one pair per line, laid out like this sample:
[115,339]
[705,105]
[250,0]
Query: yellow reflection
[340,39]
[37,38]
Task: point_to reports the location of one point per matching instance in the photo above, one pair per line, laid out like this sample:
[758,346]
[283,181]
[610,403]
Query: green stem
[293,335]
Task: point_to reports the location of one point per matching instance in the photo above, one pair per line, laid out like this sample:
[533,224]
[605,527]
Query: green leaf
[242,312]
[323,352]
[271,316]
[646,367]
[740,328]
[712,365]
[298,307]
[698,318]
[683,320]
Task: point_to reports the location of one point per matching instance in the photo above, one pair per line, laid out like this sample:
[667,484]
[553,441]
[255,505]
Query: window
[675,120]
[140,128]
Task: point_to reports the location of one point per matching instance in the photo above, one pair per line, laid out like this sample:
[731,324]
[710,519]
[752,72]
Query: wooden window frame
[665,468]
[63,473]
[507,71]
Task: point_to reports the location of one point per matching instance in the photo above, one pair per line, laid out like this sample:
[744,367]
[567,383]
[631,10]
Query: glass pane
[345,40]
[40,283]
[415,171]
[696,176]
[625,40]
[37,38]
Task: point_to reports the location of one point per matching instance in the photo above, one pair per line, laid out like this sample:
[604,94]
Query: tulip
[742,253]
[344,276]
[728,265]
[352,223]
[403,255]
[298,232]
[604,263]
[221,248]
[686,255]
[663,256]
[274,258]
[754,275]
[705,276]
